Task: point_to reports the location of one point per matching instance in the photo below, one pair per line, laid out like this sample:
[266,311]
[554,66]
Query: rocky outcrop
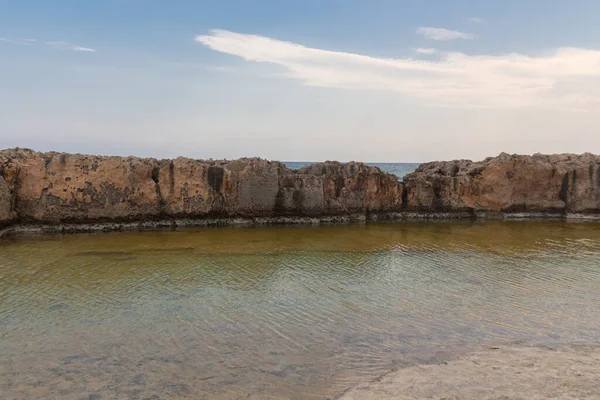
[551,184]
[53,188]
[57,188]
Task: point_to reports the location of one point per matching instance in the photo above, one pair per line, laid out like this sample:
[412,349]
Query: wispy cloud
[566,77]
[21,42]
[477,20]
[57,45]
[443,34]
[79,48]
[69,46]
[427,51]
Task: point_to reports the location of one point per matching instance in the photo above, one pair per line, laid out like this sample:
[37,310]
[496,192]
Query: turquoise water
[282,312]
[398,169]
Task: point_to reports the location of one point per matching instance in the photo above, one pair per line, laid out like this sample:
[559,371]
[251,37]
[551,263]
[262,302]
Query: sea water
[282,312]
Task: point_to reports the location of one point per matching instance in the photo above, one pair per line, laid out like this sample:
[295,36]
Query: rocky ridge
[59,189]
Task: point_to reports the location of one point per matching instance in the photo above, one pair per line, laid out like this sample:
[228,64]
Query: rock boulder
[561,183]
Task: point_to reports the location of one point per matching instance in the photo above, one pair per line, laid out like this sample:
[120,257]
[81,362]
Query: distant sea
[398,169]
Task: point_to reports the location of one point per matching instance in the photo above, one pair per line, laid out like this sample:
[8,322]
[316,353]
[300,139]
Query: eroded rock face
[562,183]
[6,214]
[353,186]
[74,188]
[55,188]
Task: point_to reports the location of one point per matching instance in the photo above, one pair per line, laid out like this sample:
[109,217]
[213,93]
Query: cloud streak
[69,46]
[427,51]
[21,42]
[57,45]
[477,20]
[443,34]
[565,78]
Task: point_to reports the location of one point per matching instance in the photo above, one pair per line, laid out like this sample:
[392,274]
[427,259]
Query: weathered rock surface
[356,186]
[57,188]
[506,372]
[54,188]
[6,214]
[561,183]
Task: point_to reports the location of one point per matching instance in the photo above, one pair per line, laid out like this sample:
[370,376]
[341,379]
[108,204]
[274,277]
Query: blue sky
[301,80]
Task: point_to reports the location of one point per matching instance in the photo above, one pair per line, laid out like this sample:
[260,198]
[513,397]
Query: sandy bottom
[504,372]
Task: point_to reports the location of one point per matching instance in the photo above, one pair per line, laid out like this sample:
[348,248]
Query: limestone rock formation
[561,183]
[59,188]
[56,188]
[352,187]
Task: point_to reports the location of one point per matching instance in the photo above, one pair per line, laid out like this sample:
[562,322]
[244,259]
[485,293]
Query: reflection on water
[281,312]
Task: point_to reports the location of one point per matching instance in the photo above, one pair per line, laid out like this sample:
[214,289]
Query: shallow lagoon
[282,312]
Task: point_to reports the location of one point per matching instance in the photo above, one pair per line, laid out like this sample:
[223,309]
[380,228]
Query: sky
[310,80]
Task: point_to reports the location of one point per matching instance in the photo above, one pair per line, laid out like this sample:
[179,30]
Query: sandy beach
[503,372]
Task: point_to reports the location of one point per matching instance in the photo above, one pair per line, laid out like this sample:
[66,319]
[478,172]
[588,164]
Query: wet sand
[504,372]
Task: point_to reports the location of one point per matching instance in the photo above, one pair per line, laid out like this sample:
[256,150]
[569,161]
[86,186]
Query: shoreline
[493,372]
[27,229]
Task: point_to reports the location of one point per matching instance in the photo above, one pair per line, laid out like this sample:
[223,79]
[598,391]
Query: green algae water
[282,312]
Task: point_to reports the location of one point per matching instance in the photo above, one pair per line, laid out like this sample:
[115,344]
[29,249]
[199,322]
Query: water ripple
[282,312]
